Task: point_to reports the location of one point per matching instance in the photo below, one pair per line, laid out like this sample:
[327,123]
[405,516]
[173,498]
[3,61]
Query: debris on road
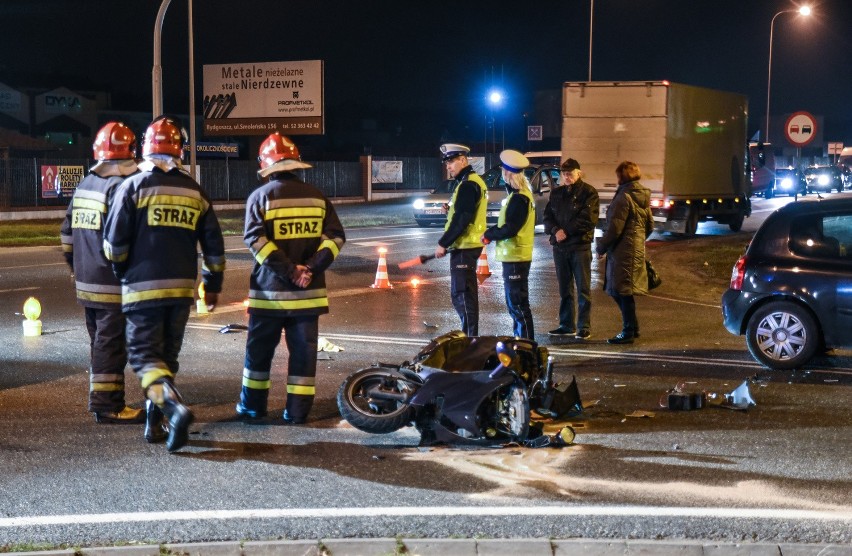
[324,345]
[740,398]
[233,327]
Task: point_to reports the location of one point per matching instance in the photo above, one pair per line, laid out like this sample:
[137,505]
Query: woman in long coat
[629,223]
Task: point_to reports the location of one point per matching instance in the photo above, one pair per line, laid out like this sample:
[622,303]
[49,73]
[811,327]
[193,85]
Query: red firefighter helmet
[163,136]
[276,147]
[115,141]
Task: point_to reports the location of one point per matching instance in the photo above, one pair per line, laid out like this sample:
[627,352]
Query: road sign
[835,148]
[800,128]
[534,133]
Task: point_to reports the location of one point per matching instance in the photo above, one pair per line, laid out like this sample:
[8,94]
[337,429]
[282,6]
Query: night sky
[420,70]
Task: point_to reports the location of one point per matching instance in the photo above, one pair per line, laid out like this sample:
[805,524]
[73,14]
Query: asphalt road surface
[778,471]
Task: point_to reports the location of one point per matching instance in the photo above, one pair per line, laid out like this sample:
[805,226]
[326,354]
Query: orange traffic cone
[382,281]
[482,270]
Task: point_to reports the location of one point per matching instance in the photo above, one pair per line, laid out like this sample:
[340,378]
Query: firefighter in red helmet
[294,234]
[159,217]
[98,290]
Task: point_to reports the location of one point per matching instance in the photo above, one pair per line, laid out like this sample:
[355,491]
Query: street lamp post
[157,72]
[192,137]
[804,10]
[157,77]
[591,23]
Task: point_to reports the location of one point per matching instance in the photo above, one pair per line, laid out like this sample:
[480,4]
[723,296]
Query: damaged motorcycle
[462,390]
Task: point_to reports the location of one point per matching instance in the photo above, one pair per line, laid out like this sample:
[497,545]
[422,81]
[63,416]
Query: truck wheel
[769,193]
[736,224]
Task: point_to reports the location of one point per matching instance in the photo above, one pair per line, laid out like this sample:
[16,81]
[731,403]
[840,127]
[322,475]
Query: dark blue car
[791,293]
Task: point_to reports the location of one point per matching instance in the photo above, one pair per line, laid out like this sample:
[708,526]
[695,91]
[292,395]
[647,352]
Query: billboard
[60,181]
[261,98]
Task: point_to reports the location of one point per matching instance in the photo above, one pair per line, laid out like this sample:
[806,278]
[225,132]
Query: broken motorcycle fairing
[457,390]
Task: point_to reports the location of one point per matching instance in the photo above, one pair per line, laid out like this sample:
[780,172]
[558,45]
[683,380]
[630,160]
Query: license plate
[438,210]
[493,213]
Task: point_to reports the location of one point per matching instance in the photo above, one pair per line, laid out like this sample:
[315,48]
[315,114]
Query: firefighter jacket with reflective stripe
[82,240]
[466,217]
[289,223]
[517,224]
[153,229]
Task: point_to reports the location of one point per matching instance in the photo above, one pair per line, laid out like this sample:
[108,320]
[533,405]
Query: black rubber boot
[169,401]
[155,426]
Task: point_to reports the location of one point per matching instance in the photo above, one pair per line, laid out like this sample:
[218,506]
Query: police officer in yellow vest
[514,236]
[465,225]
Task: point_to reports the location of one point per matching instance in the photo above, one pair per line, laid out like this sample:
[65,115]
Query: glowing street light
[495,100]
[803,10]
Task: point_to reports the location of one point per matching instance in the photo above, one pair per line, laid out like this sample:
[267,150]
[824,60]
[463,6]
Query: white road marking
[383,237]
[33,265]
[29,288]
[420,511]
[567,353]
[378,243]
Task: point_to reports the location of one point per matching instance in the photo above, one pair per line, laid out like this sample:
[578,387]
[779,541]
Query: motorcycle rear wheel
[361,403]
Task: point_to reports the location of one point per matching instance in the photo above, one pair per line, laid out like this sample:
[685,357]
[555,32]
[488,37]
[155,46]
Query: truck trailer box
[689,142]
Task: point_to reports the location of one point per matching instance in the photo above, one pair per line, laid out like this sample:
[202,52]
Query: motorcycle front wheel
[372,400]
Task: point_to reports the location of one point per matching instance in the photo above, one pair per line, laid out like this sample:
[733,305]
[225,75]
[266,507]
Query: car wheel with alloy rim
[782,335]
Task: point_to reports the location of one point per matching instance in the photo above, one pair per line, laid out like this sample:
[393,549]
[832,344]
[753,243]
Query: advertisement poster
[263,97]
[60,181]
[387,171]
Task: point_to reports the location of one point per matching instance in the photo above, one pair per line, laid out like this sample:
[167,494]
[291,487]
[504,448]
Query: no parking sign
[800,129]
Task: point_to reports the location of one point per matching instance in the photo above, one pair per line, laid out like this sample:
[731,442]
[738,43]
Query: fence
[223,180]
[230,180]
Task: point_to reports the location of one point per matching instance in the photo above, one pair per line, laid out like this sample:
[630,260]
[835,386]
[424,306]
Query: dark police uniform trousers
[464,288]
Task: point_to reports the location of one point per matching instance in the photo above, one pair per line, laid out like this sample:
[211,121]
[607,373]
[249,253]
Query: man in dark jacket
[152,233]
[98,290]
[570,218]
[294,234]
[462,233]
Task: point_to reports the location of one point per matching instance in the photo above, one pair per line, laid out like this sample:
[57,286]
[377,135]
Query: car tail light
[738,274]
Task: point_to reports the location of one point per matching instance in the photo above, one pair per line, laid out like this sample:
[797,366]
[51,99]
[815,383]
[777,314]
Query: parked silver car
[433,208]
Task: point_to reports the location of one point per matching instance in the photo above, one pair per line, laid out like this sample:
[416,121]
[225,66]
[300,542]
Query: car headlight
[503,201]
[418,204]
[823,179]
[786,183]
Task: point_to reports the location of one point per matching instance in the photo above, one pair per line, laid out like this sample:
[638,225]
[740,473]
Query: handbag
[654,279]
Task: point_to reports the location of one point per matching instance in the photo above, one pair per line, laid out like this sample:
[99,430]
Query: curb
[458,547]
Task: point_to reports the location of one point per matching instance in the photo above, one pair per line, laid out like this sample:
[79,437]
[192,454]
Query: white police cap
[451,150]
[513,161]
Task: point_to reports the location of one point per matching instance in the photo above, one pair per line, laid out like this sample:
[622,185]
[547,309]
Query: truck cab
[761,165]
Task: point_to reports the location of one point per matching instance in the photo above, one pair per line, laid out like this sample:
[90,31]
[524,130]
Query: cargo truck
[689,142]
